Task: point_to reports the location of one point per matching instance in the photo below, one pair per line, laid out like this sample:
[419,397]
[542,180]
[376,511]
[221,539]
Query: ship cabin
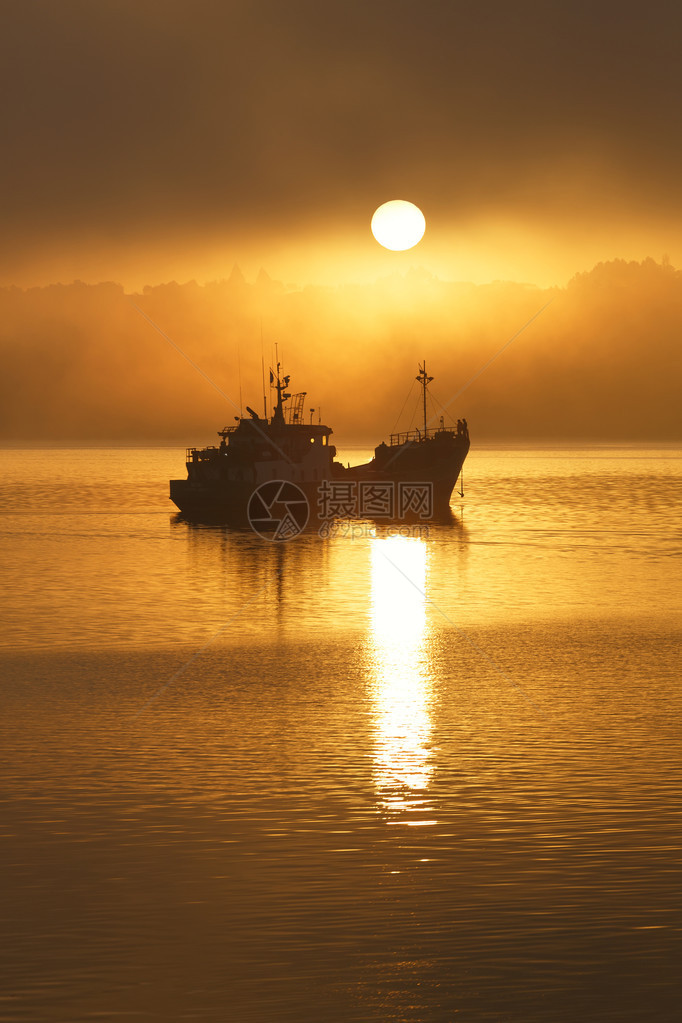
[257,449]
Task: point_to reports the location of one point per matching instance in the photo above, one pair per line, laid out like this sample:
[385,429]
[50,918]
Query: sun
[398,225]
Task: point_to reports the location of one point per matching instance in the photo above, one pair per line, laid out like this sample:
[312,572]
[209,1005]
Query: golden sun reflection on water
[401,682]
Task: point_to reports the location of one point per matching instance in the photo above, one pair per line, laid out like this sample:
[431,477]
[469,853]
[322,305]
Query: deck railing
[201,454]
[416,436]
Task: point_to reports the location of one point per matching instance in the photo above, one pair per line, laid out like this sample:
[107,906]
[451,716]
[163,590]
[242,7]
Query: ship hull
[212,501]
[436,462]
[354,492]
[229,502]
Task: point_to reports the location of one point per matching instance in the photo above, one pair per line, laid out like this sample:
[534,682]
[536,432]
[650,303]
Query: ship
[279,473]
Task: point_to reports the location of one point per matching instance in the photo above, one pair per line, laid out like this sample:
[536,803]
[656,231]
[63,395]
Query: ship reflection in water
[401,683]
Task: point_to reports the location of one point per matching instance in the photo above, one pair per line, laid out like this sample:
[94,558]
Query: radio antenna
[262,373]
[239,374]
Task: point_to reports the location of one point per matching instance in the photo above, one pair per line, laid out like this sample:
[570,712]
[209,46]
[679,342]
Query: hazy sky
[146,140]
[599,360]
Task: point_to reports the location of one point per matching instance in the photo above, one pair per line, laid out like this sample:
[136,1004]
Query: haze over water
[367,777]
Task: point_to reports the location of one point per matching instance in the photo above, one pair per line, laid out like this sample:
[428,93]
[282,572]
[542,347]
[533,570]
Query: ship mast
[424,380]
[280,386]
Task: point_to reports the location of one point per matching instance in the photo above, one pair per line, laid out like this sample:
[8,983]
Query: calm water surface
[361,778]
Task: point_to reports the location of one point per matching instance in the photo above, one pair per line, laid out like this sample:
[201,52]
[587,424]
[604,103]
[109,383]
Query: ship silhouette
[285,465]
